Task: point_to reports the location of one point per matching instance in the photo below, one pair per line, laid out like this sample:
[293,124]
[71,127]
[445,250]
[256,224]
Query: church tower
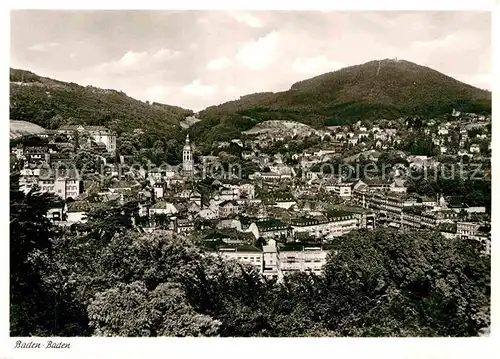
[187,158]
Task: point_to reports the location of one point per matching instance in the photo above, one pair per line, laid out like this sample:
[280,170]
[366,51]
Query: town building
[37,155]
[64,187]
[270,229]
[331,226]
[309,258]
[474,148]
[162,207]
[228,208]
[244,253]
[99,134]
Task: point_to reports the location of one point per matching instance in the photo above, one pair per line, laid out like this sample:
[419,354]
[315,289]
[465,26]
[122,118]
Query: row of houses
[277,259]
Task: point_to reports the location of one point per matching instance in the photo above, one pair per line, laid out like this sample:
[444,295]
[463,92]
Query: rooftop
[80,206]
[303,246]
[417,210]
[221,246]
[271,224]
[334,213]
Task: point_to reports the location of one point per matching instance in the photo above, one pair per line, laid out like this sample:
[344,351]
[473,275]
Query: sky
[196,59]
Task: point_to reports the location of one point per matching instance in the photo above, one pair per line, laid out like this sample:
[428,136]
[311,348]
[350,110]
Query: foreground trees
[39,303]
[414,283]
[133,310]
[106,279]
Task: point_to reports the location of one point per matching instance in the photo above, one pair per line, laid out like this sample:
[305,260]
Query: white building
[325,227]
[474,148]
[162,207]
[63,187]
[282,259]
[302,258]
[342,189]
[159,189]
[442,131]
[104,136]
[99,134]
[244,253]
[208,213]
[76,215]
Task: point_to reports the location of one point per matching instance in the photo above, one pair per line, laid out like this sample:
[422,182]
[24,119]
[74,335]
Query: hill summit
[376,89]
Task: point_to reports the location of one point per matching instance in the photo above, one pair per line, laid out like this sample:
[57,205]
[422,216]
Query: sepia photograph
[216,173]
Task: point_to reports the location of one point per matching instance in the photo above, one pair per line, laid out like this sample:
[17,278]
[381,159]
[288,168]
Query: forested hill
[50,103]
[377,89]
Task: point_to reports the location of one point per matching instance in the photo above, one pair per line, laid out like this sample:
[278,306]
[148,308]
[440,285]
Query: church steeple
[187,158]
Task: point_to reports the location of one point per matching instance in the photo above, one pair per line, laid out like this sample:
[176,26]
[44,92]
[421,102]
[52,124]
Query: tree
[107,279]
[87,162]
[417,283]
[60,138]
[56,122]
[38,303]
[419,144]
[127,148]
[132,310]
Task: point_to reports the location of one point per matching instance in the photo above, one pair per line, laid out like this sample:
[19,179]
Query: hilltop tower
[187,158]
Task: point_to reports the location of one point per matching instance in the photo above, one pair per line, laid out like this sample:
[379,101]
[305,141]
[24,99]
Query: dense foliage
[105,278]
[51,104]
[470,192]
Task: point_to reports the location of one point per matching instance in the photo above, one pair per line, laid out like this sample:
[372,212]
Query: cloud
[43,47]
[219,63]
[260,53]
[463,40]
[314,65]
[132,58]
[232,53]
[246,18]
[136,60]
[165,54]
[196,88]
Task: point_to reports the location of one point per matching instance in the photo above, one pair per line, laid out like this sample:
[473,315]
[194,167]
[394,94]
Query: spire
[187,145]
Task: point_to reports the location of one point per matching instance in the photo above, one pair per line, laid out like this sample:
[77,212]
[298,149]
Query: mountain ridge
[376,89]
[51,103]
[373,90]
